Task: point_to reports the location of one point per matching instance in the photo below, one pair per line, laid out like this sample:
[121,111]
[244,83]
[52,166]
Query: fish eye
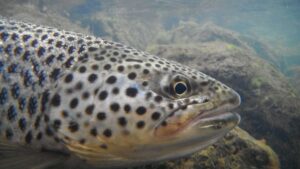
[180,88]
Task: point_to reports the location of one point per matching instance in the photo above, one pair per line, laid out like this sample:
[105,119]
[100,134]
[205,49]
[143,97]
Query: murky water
[268,29]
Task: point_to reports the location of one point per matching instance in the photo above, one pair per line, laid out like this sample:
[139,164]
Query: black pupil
[180,88]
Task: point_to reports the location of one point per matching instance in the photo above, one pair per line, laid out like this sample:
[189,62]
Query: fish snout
[234,98]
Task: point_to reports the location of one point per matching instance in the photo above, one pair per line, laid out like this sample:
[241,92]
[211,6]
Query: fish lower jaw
[220,117]
[216,120]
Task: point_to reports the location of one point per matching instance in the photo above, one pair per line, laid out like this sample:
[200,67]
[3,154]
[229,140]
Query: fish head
[139,110]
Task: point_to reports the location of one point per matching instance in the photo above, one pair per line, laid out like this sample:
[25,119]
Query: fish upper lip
[214,112]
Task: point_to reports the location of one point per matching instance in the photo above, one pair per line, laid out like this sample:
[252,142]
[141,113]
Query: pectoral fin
[14,156]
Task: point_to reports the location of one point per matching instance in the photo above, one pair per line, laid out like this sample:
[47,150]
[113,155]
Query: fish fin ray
[14,156]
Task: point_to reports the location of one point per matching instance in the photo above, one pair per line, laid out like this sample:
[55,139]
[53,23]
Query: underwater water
[251,45]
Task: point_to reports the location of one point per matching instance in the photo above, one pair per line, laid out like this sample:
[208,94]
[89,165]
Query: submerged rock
[237,150]
[270,106]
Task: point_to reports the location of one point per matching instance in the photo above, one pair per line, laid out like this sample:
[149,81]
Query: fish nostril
[235,98]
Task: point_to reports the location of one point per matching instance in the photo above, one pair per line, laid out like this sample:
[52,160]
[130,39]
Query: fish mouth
[217,117]
[205,115]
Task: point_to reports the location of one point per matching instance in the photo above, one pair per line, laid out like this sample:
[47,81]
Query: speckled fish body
[101,102]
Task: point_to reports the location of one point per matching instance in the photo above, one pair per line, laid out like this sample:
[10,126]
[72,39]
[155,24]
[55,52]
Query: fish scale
[100,103]
[31,62]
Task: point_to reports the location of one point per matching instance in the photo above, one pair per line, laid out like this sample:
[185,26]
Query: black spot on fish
[120,68]
[41,51]
[22,103]
[18,50]
[49,131]
[61,57]
[104,146]
[36,66]
[155,116]
[56,124]
[42,78]
[107,132]
[81,48]
[107,66]
[141,110]
[83,58]
[28,78]
[80,41]
[14,36]
[111,80]
[13,68]
[92,49]
[73,126]
[59,44]
[82,69]
[26,38]
[12,113]
[122,121]
[1,66]
[34,43]
[115,90]
[4,36]
[55,101]
[71,49]
[44,37]
[69,78]
[140,124]
[69,62]
[79,85]
[131,92]
[3,96]
[127,108]
[116,53]
[39,136]
[28,137]
[46,118]
[70,38]
[8,49]
[115,107]
[22,124]
[89,109]
[134,60]
[44,100]
[37,122]
[113,59]
[101,116]
[132,75]
[145,83]
[26,56]
[103,52]
[55,74]
[94,132]
[103,95]
[158,99]
[39,30]
[146,71]
[9,134]
[92,78]
[50,41]
[50,59]
[32,105]
[99,58]
[73,103]
[95,67]
[15,90]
